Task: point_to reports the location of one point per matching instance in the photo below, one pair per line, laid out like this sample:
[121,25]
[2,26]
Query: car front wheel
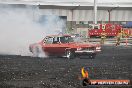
[69,54]
[92,56]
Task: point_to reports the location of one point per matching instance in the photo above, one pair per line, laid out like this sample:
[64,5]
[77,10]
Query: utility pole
[95,11]
[109,11]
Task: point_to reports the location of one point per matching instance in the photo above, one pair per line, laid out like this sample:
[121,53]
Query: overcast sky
[100,1]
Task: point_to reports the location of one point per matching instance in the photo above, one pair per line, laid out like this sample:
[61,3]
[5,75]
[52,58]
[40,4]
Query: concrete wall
[87,15]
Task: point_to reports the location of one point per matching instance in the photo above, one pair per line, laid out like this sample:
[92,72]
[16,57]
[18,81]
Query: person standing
[103,37]
[118,38]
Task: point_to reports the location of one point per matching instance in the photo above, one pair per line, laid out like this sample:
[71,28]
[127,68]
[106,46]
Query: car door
[57,46]
[61,46]
[52,46]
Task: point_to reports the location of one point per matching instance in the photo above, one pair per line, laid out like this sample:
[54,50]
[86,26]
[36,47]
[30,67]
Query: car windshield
[66,39]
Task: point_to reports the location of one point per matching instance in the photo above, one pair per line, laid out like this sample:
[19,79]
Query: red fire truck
[111,30]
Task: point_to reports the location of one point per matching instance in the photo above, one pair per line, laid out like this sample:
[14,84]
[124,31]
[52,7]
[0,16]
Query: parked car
[64,45]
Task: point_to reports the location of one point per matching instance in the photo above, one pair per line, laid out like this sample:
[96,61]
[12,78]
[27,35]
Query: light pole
[95,11]
[109,11]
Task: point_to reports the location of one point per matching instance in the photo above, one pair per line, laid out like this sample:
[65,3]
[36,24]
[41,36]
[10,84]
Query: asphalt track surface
[32,72]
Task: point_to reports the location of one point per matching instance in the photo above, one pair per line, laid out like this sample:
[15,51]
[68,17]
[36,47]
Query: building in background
[79,15]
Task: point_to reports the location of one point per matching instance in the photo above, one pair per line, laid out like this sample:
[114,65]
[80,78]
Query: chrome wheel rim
[68,54]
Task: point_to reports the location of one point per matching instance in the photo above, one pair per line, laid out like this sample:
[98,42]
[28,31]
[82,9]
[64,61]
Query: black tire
[92,56]
[69,54]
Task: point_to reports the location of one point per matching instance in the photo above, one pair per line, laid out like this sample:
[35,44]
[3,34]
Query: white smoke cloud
[19,27]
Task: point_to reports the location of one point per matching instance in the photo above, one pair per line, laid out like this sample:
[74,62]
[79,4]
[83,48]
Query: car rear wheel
[37,51]
[69,54]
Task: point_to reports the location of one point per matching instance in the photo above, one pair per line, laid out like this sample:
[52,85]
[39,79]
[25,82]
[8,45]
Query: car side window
[49,40]
[56,40]
[66,39]
[45,39]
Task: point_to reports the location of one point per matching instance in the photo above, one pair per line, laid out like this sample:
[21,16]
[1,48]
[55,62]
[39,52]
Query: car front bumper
[85,51]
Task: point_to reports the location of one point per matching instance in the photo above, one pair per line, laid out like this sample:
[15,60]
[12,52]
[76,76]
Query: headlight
[79,48]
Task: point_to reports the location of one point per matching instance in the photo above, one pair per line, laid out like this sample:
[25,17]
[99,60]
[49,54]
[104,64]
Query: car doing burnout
[64,45]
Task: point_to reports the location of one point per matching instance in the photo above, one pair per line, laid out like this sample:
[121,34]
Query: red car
[64,45]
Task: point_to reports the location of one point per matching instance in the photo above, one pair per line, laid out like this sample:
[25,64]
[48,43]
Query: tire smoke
[20,27]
